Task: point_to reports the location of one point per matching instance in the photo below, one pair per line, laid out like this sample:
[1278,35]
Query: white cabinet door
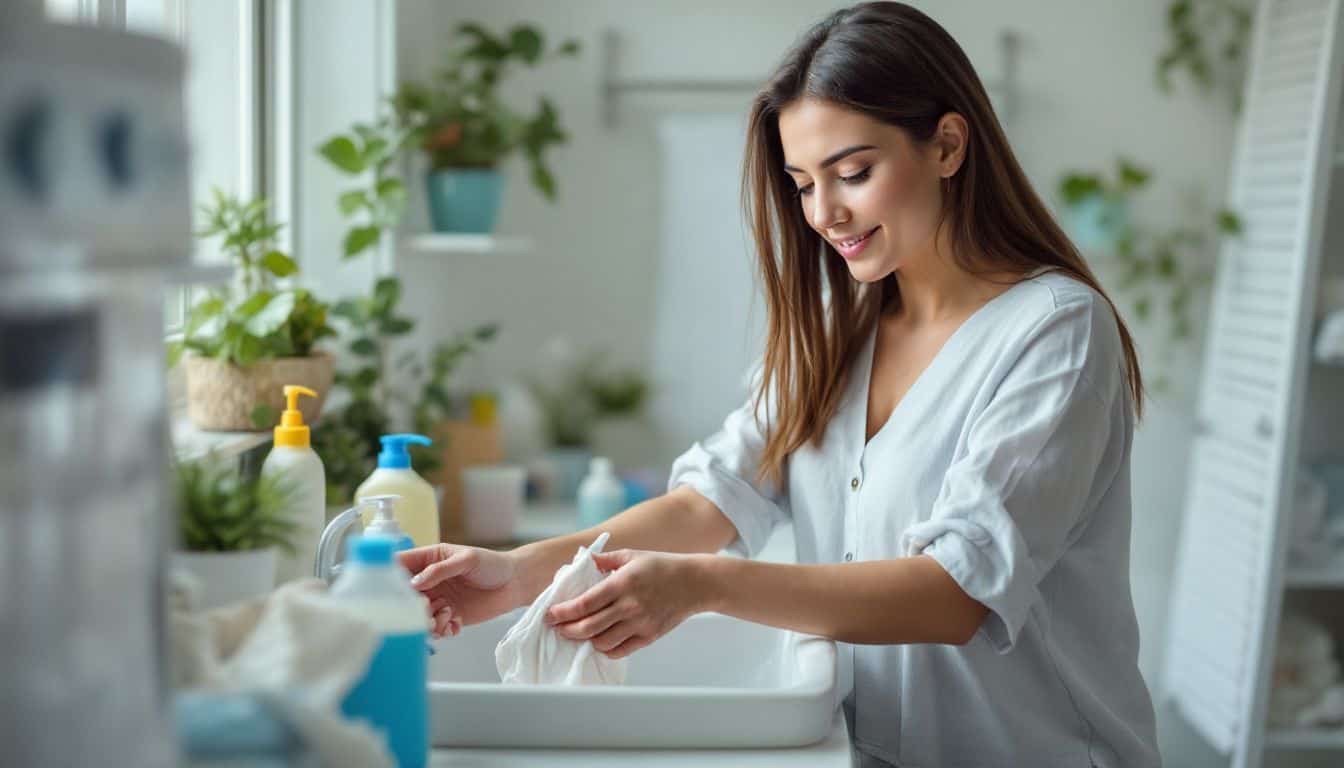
[1228,579]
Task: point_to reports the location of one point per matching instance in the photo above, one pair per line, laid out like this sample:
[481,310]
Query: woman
[944,411]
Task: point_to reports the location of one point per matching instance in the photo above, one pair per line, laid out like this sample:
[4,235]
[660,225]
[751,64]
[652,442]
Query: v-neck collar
[864,383]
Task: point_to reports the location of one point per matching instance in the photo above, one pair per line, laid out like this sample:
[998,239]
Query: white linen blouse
[1007,462]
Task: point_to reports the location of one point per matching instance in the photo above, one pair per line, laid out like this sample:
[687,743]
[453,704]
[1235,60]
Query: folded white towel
[532,652]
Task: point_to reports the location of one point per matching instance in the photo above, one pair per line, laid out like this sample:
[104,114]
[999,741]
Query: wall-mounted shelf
[467,244]
[1305,738]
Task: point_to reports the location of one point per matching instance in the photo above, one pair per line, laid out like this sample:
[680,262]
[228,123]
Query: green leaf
[396,326]
[1077,187]
[1143,308]
[348,309]
[365,377]
[203,311]
[392,192]
[1166,263]
[341,152]
[386,294]
[1131,175]
[263,416]
[253,304]
[1229,223]
[352,201]
[279,264]
[526,43]
[359,239]
[570,48]
[248,350]
[269,319]
[174,352]
[364,346]
[543,181]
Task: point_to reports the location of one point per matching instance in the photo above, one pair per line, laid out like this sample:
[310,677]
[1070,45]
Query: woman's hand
[645,596]
[464,585]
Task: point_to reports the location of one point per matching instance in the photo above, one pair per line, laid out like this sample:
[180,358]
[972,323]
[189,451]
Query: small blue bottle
[393,695]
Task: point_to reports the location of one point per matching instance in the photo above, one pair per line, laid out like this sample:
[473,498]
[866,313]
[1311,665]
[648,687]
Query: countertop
[555,519]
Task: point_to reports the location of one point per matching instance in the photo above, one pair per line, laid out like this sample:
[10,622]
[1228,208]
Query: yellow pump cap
[292,432]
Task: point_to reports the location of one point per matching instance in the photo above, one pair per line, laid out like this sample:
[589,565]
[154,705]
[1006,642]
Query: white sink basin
[714,681]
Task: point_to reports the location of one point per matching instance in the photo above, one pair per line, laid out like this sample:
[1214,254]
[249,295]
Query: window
[223,98]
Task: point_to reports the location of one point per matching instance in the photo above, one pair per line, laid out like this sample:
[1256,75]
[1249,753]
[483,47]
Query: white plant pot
[228,577]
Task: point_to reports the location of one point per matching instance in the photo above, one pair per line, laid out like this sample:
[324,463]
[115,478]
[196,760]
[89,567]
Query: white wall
[1088,95]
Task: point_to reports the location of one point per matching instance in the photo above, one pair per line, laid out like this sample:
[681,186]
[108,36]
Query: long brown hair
[896,65]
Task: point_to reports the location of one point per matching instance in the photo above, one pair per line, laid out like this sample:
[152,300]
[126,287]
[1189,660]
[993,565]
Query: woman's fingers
[458,562]
[591,626]
[613,637]
[595,599]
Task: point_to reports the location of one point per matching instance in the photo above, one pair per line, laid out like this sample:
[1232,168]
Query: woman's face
[866,186]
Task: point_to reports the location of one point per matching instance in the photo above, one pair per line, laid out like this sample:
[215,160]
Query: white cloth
[1007,462]
[295,645]
[532,652]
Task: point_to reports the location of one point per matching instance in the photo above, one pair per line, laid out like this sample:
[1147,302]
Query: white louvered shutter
[1228,577]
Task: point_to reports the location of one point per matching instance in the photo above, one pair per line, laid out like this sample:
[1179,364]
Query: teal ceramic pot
[464,200]
[1096,224]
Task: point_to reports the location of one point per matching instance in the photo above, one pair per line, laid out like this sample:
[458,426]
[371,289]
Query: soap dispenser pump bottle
[384,521]
[296,467]
[418,511]
[393,695]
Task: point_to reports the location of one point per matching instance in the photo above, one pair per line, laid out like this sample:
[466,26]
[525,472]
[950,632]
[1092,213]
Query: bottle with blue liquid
[393,695]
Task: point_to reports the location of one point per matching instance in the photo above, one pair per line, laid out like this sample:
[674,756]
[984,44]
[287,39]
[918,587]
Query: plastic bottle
[418,511]
[297,467]
[384,521]
[393,695]
[601,494]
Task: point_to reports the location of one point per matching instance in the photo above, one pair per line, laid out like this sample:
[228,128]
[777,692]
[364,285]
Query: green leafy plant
[221,510]
[368,152]
[616,393]
[1209,40]
[1160,265]
[458,119]
[1076,187]
[254,319]
[347,439]
[577,396]
[435,402]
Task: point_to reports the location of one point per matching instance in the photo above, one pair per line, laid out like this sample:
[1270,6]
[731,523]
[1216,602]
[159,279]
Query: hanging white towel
[532,652]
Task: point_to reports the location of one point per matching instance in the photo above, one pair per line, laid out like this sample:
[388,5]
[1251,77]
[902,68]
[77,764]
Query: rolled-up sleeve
[722,468]
[1036,461]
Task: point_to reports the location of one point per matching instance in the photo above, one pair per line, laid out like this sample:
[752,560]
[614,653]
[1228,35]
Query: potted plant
[1096,212]
[620,431]
[244,342]
[459,121]
[230,527]
[347,439]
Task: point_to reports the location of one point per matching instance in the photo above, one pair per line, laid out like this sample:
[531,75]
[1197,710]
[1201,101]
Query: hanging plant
[1208,40]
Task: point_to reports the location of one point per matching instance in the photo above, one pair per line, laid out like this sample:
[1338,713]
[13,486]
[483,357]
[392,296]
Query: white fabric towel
[297,646]
[532,652]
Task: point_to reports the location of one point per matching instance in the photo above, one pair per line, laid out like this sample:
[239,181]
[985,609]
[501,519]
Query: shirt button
[849,556]
[854,483]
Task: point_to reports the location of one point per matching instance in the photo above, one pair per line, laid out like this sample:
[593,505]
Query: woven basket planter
[221,396]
